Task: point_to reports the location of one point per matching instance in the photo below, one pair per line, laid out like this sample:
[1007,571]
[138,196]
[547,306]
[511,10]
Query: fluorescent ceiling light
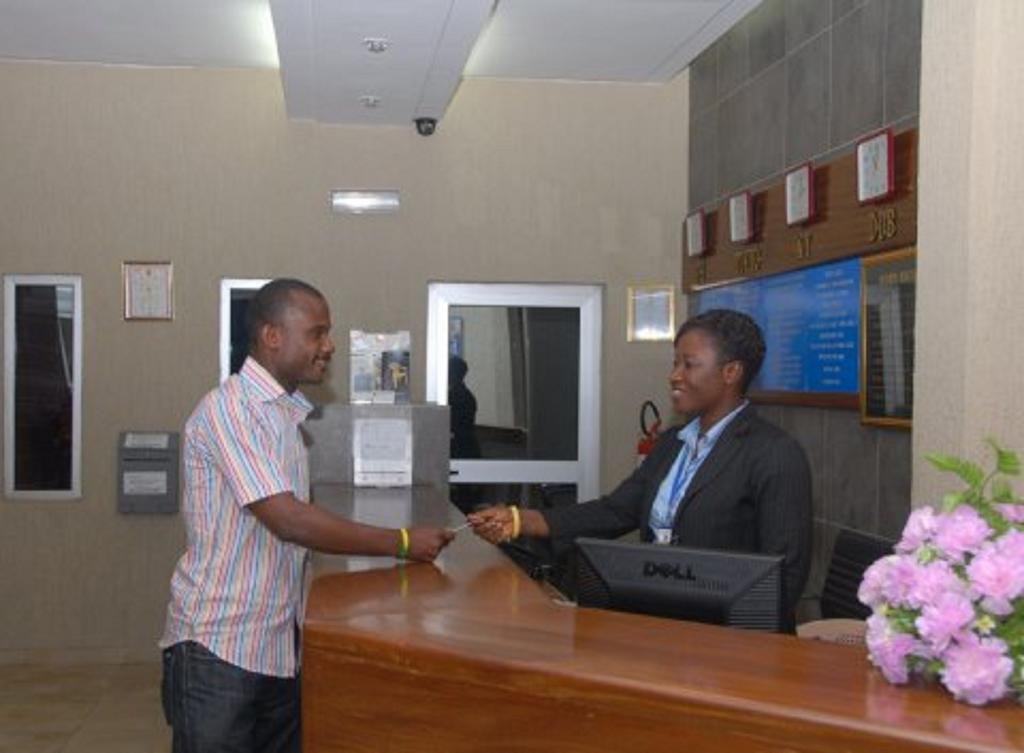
[364,202]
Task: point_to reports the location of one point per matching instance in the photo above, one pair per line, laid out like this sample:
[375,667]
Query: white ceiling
[326,69]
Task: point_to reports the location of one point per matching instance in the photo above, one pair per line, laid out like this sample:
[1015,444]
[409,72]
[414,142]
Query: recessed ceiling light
[376,44]
[364,202]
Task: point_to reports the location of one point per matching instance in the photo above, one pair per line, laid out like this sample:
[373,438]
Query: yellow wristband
[516,522]
[403,546]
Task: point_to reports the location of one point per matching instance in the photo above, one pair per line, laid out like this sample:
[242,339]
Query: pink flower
[873,584]
[920,528]
[901,580]
[932,581]
[1012,512]
[1011,544]
[888,649]
[997,573]
[977,671]
[944,619]
[961,532]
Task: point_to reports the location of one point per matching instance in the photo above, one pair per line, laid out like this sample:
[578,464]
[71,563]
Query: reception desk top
[470,654]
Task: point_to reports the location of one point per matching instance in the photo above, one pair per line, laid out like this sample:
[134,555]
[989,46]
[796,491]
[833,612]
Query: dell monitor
[702,585]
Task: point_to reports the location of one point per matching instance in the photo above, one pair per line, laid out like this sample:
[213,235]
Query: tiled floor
[82,709]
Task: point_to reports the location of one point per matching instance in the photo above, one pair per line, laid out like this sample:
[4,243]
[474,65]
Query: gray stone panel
[852,499]
[894,460]
[807,426]
[703,159]
[858,46]
[807,104]
[767,33]
[804,19]
[734,129]
[733,59]
[824,539]
[902,59]
[767,123]
[841,8]
[703,82]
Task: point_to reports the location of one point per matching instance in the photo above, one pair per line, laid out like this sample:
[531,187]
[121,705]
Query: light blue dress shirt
[696,447]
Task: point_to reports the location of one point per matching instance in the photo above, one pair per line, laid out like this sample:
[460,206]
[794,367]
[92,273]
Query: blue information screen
[811,324]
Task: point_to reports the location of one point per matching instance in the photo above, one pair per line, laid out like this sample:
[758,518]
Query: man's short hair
[270,303]
[737,338]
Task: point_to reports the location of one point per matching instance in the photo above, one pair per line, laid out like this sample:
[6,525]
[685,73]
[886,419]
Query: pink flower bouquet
[948,603]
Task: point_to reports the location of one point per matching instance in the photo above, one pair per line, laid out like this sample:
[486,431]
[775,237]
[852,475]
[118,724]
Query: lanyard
[683,472]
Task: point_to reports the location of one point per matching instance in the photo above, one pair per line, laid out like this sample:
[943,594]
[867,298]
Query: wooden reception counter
[471,655]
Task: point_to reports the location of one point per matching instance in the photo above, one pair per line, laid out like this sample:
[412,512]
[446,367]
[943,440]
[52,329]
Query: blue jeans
[216,707]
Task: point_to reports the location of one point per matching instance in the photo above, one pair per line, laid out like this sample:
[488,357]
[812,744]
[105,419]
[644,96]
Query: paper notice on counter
[382,452]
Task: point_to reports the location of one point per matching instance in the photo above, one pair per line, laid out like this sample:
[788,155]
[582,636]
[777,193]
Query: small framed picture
[148,291]
[876,173]
[741,218]
[800,195]
[651,313]
[696,234]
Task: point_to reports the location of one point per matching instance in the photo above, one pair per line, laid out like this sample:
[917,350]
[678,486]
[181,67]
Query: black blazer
[752,493]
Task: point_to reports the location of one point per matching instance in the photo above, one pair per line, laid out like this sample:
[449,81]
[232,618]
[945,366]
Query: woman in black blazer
[727,480]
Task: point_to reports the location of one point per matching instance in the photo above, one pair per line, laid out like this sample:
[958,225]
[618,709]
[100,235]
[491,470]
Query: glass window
[42,386]
[513,382]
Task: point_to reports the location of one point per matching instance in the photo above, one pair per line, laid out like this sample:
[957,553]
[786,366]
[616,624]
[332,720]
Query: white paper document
[382,452]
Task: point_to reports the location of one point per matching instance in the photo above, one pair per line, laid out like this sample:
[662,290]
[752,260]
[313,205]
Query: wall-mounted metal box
[147,472]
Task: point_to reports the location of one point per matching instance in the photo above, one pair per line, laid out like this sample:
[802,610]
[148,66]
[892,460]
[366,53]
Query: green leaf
[1007,461]
[970,472]
[996,522]
[1002,491]
[952,500]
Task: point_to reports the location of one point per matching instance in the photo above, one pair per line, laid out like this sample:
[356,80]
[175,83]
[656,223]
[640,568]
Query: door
[519,365]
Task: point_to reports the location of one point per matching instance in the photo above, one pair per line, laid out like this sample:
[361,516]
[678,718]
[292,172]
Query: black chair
[842,613]
[853,553]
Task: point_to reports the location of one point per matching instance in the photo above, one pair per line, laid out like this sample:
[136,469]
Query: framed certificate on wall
[148,292]
[876,172]
[800,195]
[696,234]
[741,218]
[651,316]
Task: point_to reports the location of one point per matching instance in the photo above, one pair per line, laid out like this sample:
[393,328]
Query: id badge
[662,535]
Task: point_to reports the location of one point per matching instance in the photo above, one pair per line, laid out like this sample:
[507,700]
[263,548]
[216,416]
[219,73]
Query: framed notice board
[811,323]
[888,295]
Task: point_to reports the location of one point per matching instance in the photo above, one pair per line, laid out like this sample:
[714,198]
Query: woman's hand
[493,524]
[498,524]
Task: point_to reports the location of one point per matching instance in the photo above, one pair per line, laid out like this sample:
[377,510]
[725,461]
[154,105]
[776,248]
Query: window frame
[11,282]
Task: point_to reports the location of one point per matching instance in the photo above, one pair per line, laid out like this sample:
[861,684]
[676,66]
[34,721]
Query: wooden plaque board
[841,227]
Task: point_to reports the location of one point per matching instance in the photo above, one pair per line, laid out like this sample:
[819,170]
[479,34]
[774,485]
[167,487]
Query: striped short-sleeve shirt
[237,588]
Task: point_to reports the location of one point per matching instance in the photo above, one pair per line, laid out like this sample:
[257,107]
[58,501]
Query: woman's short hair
[736,336]
[270,303]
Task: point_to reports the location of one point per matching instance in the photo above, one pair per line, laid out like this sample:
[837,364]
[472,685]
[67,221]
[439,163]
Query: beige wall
[522,182]
[970,306]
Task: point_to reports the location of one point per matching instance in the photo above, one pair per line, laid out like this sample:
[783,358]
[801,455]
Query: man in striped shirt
[230,649]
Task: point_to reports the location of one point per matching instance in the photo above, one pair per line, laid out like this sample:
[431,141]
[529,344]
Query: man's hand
[426,543]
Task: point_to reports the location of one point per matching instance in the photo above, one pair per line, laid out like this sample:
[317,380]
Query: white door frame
[227,284]
[584,471]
